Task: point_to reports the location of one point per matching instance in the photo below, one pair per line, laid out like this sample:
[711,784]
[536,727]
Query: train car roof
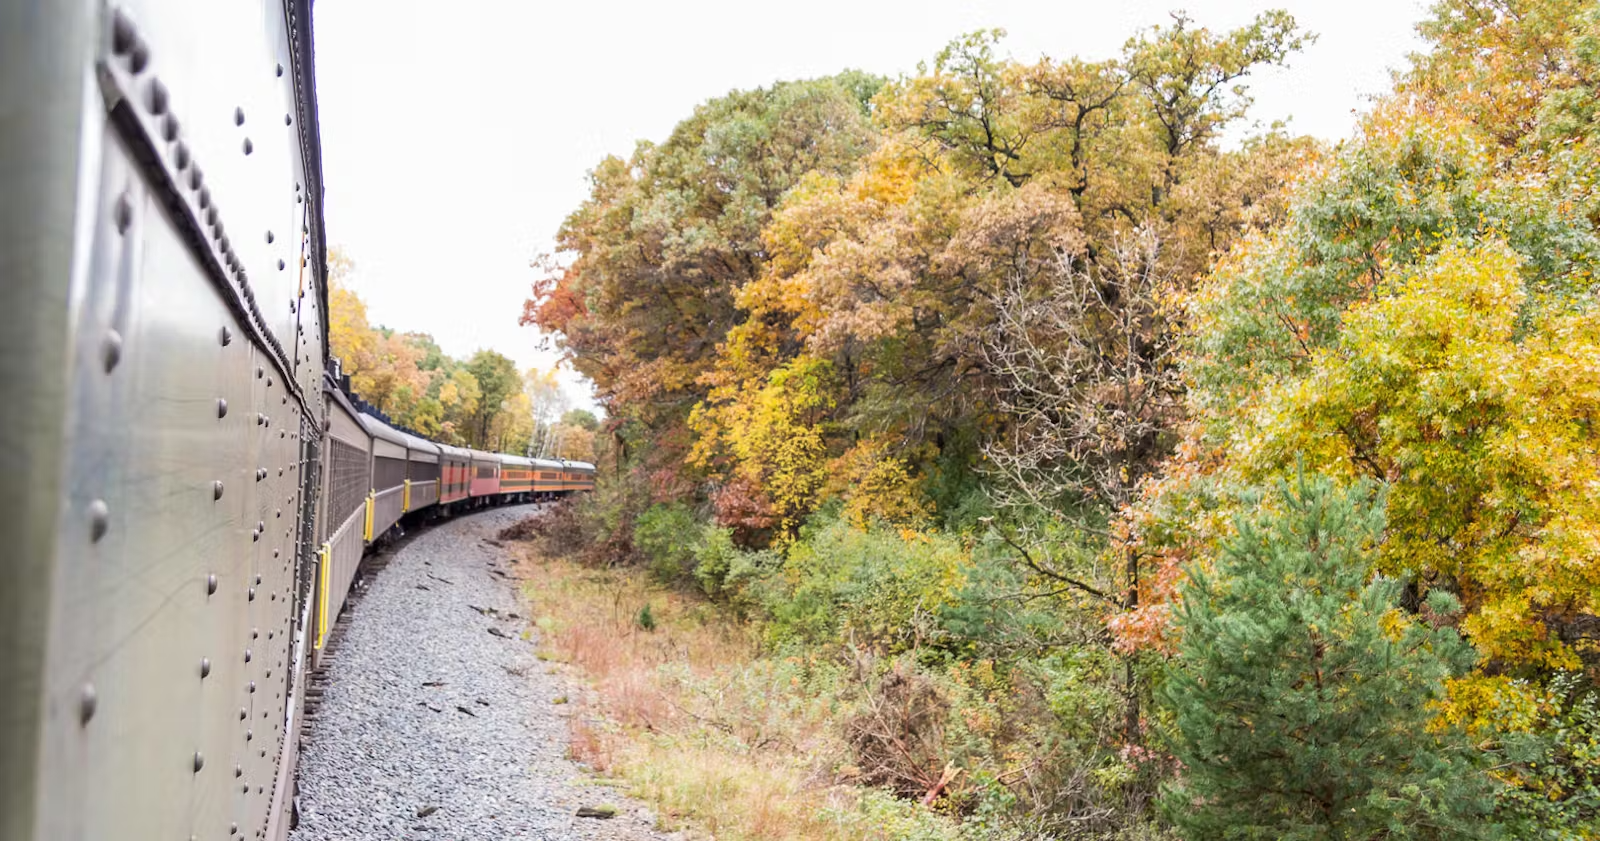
[547,463]
[518,461]
[484,455]
[415,443]
[580,465]
[378,429]
[452,451]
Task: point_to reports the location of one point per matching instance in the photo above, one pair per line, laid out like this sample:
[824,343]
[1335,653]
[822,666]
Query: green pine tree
[1301,693]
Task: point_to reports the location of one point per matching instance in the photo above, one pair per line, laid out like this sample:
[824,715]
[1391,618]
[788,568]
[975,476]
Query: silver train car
[186,495]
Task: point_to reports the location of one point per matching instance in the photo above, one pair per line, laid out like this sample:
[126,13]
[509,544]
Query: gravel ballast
[438,721]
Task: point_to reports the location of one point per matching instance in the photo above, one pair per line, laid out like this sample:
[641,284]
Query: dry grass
[694,719]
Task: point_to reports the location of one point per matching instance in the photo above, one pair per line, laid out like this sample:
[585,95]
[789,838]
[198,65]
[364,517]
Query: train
[186,491]
[375,474]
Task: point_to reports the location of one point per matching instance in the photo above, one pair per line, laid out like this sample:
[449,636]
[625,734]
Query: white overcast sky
[457,134]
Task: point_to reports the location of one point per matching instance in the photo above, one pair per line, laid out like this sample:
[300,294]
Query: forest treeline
[1171,483]
[482,402]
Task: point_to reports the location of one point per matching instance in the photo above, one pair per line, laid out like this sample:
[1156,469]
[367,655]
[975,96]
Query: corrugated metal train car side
[162,341]
[346,491]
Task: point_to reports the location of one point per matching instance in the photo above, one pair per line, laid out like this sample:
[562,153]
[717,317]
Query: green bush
[1556,769]
[666,535]
[878,588]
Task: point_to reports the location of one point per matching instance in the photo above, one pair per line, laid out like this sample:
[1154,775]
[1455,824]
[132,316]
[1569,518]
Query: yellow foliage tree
[1484,419]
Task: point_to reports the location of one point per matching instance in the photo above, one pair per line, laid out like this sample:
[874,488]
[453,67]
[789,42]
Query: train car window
[388,472]
[422,471]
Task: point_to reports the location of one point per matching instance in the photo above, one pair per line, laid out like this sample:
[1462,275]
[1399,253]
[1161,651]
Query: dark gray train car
[422,473]
[389,458]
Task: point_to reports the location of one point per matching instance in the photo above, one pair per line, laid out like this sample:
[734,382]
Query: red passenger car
[485,474]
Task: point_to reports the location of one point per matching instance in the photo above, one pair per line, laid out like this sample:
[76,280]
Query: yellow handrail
[406,504]
[324,559]
[370,503]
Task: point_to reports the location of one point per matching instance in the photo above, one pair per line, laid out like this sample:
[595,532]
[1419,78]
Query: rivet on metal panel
[288,120]
[122,213]
[242,716]
[238,116]
[211,216]
[158,97]
[252,687]
[226,335]
[261,473]
[248,146]
[138,58]
[255,633]
[260,420]
[216,489]
[180,156]
[112,350]
[258,580]
[199,761]
[269,385]
[233,829]
[244,789]
[260,372]
[252,593]
[169,130]
[238,770]
[123,35]
[88,700]
[222,403]
[269,237]
[205,195]
[99,519]
[281,266]
[205,667]
[196,178]
[247,655]
[211,584]
[280,70]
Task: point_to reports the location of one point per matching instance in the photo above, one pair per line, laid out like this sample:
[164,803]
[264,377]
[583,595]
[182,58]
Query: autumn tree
[351,338]
[498,381]
[408,377]
[667,236]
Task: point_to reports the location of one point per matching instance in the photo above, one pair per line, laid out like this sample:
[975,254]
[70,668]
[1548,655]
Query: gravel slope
[428,710]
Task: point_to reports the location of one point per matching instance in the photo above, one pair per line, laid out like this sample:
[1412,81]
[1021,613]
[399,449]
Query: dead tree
[1086,375]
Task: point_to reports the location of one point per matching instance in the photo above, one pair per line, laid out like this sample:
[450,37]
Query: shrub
[882,589]
[897,736]
[666,535]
